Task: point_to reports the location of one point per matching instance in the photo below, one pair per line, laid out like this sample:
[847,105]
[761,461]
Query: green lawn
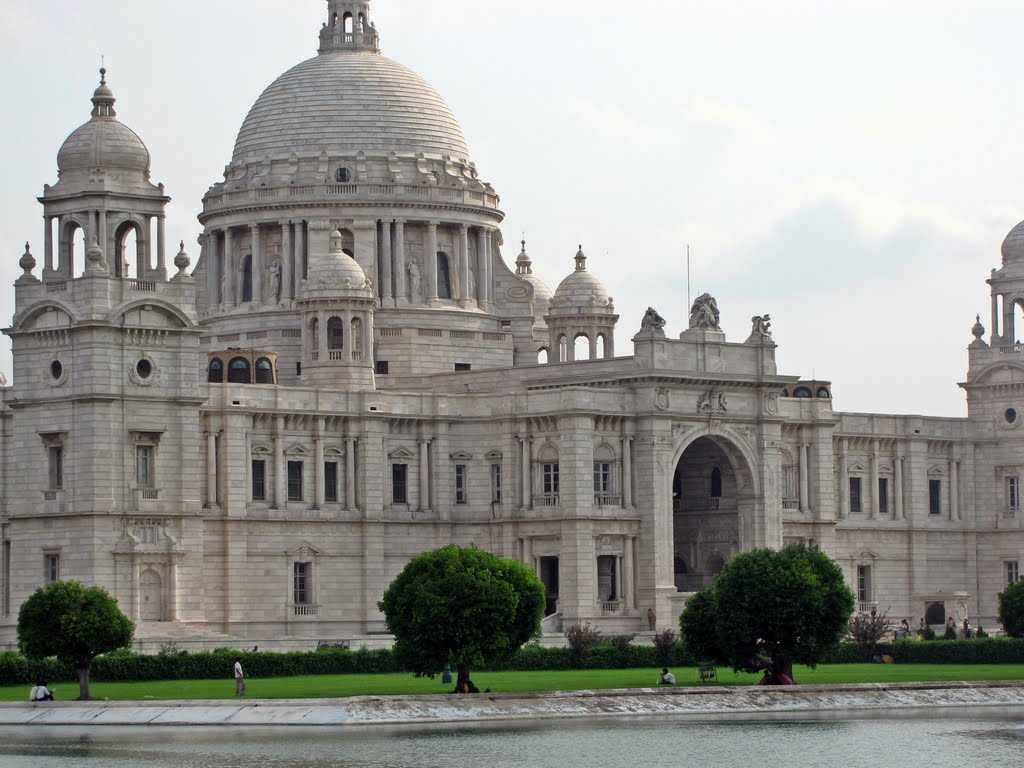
[393,684]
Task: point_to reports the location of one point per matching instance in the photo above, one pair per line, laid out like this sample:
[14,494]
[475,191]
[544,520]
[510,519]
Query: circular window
[144,368]
[1011,415]
[56,369]
[342,175]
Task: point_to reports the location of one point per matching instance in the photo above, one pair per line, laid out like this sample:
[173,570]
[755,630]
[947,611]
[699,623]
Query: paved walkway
[707,703]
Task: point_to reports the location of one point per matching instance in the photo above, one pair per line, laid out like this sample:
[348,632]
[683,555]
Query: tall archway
[444,277]
[151,606]
[712,503]
[128,244]
[581,347]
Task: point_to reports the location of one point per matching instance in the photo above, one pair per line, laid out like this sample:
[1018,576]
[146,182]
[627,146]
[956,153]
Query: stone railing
[703,504]
[607,500]
[547,500]
[791,503]
[359,191]
[305,609]
[610,606]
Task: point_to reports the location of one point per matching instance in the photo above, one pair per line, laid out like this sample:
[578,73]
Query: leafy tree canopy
[769,609]
[1011,609]
[461,606]
[73,622]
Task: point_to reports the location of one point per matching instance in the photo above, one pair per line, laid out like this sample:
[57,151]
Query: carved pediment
[304,551]
[334,451]
[261,450]
[461,456]
[493,456]
[296,450]
[401,454]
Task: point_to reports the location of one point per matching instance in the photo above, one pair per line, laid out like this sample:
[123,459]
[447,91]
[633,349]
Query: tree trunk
[462,682]
[82,668]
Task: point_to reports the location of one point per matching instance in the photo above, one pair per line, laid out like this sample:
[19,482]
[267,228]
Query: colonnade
[526,490]
[225,264]
[58,264]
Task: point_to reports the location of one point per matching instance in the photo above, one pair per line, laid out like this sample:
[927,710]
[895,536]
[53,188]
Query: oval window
[1011,415]
[144,368]
[56,369]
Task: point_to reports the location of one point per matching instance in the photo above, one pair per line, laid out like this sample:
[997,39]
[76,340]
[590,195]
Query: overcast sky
[850,168]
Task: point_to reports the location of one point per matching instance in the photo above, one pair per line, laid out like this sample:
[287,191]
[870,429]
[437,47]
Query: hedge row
[211,665]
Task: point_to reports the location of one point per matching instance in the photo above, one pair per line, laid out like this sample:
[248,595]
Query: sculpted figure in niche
[414,279]
[760,330]
[275,280]
[652,323]
[704,312]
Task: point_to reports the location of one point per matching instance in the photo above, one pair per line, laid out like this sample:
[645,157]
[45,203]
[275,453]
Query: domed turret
[581,307]
[541,293]
[1013,246]
[104,143]
[337,274]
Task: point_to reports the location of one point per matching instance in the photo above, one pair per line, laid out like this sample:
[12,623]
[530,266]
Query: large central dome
[344,101]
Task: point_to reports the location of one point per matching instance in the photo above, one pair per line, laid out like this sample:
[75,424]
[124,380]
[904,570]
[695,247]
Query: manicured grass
[323,686]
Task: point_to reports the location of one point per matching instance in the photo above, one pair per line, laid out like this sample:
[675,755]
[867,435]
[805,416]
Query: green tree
[769,609]
[461,606]
[75,623]
[1011,609]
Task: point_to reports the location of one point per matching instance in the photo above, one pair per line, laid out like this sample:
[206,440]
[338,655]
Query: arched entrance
[711,497]
[151,596]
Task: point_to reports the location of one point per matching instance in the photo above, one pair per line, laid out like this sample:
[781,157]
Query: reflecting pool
[937,743]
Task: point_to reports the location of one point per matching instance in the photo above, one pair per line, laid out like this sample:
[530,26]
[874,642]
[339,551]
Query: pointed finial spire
[581,260]
[524,266]
[103,98]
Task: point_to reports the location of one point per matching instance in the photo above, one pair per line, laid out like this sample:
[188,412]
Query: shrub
[665,643]
[621,642]
[1011,609]
[868,631]
[582,637]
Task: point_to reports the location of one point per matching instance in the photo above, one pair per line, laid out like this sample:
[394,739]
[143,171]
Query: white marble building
[353,374]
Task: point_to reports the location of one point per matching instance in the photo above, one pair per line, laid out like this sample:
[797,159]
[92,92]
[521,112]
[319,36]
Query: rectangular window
[399,483]
[300,584]
[550,479]
[935,497]
[463,366]
[382,367]
[56,467]
[883,496]
[1012,495]
[144,466]
[789,488]
[294,481]
[1012,571]
[864,583]
[460,483]
[855,502]
[496,483]
[331,482]
[259,480]
[602,478]
[52,565]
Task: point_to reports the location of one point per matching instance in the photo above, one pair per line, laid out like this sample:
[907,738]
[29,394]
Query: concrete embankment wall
[708,703]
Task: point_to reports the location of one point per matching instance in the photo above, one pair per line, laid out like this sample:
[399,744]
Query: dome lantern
[348,28]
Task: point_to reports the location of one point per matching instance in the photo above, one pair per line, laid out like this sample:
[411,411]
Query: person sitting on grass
[40,692]
[667,678]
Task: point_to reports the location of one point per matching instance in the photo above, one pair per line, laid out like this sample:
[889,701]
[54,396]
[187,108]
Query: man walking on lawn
[239,679]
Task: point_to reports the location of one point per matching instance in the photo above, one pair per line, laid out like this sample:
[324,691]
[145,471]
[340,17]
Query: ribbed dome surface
[541,293]
[103,143]
[345,101]
[580,289]
[336,271]
[1013,245]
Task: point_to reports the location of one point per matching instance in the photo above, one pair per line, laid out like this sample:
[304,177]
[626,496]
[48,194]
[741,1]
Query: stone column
[287,262]
[627,573]
[464,295]
[145,264]
[172,589]
[212,277]
[805,485]
[101,236]
[211,469]
[350,473]
[364,246]
[302,257]
[401,290]
[248,467]
[954,489]
[526,501]
[898,486]
[257,264]
[430,263]
[228,279]
[320,483]
[424,475]
[627,472]
[481,267]
[136,586]
[161,246]
[384,287]
[995,316]
[873,495]
[280,467]
[844,482]
[47,245]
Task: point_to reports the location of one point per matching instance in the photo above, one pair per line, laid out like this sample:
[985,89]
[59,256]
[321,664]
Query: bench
[707,673]
[342,644]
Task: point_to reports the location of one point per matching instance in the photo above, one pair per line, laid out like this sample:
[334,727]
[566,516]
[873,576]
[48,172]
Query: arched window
[238,371]
[74,242]
[215,375]
[716,483]
[264,371]
[823,393]
[802,392]
[126,243]
[582,347]
[356,338]
[348,23]
[600,347]
[314,338]
[444,277]
[563,350]
[247,278]
[542,355]
[334,20]
[335,334]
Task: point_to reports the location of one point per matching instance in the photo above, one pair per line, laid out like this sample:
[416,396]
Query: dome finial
[524,266]
[103,98]
[581,260]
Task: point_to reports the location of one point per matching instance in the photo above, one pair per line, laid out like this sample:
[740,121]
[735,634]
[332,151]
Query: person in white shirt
[667,678]
[239,679]
[40,692]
